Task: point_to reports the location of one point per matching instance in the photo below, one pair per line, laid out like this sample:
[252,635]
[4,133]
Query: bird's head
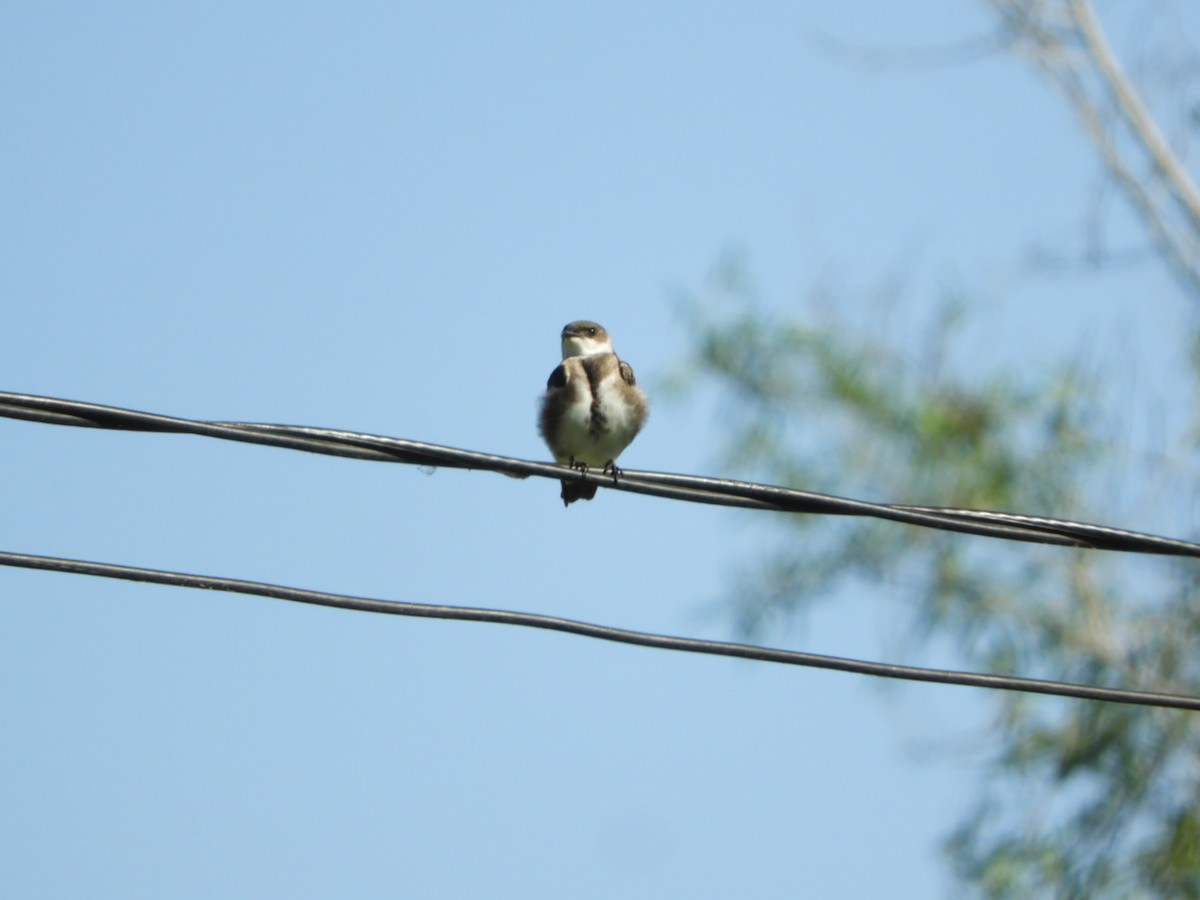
[584,338]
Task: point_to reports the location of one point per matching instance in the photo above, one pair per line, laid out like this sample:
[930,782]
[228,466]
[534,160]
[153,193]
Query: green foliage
[1082,799]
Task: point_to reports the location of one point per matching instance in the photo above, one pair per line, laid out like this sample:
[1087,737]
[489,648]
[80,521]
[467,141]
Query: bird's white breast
[598,435]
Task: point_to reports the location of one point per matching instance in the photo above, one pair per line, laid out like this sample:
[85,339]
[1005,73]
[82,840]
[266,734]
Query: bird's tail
[573,490]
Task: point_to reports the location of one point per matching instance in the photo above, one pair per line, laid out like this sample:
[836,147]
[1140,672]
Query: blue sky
[377,217]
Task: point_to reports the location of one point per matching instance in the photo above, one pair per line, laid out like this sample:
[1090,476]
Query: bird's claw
[610,468]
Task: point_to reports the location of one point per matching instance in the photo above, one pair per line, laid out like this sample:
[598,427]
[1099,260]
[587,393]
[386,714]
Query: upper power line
[697,489]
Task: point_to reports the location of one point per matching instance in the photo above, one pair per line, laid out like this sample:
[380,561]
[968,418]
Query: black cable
[602,632]
[720,491]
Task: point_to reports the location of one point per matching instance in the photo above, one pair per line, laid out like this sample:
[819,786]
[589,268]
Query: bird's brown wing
[627,373]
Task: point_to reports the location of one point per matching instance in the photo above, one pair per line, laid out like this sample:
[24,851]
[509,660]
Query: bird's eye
[591,332]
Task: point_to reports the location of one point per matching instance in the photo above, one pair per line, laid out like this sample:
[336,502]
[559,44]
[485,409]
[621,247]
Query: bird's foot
[581,467]
[610,468]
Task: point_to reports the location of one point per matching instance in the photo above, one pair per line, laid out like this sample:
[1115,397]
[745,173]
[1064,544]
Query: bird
[592,408]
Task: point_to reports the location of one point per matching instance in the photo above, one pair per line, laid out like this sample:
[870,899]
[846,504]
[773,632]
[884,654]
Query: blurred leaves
[1083,799]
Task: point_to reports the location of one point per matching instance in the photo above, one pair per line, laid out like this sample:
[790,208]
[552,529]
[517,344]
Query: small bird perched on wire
[592,407]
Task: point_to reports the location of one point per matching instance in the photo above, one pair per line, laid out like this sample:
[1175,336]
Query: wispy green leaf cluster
[1083,799]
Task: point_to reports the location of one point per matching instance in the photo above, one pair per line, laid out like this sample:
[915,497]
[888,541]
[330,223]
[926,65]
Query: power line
[601,632]
[697,489]
[1039,529]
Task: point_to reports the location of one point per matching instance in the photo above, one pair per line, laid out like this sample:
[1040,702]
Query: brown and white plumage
[592,407]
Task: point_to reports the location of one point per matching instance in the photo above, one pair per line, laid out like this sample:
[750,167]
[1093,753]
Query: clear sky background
[377,217]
